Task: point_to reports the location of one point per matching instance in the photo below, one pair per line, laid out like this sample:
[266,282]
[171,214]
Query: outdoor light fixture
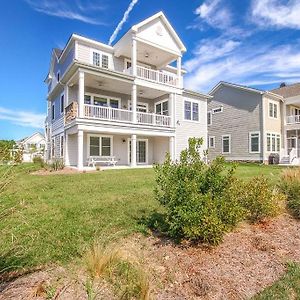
[146,54]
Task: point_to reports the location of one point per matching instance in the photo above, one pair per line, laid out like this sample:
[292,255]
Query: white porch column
[172,147]
[134,56]
[80,150]
[133,150]
[81,94]
[134,103]
[179,75]
[171,104]
[66,95]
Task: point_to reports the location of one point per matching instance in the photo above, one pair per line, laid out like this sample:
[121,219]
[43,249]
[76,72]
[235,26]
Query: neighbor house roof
[24,140]
[245,88]
[287,91]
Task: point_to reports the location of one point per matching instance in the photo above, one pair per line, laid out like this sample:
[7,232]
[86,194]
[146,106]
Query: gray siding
[241,115]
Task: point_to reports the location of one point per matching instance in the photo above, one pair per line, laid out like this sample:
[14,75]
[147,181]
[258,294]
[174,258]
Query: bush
[260,200]
[290,186]
[195,195]
[202,201]
[38,160]
[57,164]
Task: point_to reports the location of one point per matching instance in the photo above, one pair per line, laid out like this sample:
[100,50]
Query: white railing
[292,155]
[107,113]
[123,115]
[157,76]
[293,119]
[153,119]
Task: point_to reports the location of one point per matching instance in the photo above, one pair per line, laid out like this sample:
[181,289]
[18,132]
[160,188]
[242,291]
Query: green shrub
[290,186]
[195,195]
[38,160]
[260,200]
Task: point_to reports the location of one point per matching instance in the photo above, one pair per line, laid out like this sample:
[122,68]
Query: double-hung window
[191,110]
[62,103]
[53,111]
[226,144]
[162,108]
[254,142]
[212,142]
[273,109]
[209,118]
[100,59]
[100,146]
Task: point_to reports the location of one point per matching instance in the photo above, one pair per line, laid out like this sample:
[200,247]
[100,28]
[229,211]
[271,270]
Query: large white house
[123,104]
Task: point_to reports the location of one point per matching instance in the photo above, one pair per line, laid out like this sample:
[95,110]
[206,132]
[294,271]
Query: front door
[141,151]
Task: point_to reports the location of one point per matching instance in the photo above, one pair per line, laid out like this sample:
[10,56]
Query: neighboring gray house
[244,124]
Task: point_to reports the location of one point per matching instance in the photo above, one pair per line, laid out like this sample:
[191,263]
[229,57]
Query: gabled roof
[166,22]
[245,88]
[287,91]
[24,140]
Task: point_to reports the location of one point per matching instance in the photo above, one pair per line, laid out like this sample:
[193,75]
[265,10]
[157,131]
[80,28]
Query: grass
[53,219]
[288,287]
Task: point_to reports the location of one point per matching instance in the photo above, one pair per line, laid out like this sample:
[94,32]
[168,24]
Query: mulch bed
[250,258]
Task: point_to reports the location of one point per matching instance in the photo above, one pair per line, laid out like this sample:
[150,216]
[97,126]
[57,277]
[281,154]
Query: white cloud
[274,13]
[76,11]
[215,14]
[244,63]
[121,23]
[22,118]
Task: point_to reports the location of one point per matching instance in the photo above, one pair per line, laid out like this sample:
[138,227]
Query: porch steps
[285,160]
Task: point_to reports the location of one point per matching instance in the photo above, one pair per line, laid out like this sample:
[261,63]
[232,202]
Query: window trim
[226,135]
[53,111]
[103,96]
[62,107]
[209,144]
[100,144]
[92,50]
[271,144]
[278,112]
[211,114]
[250,142]
[191,101]
[61,149]
[161,103]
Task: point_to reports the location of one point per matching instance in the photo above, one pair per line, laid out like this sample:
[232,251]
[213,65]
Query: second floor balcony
[293,119]
[95,112]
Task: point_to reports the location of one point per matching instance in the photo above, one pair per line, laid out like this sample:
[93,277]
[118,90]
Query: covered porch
[86,150]
[293,145]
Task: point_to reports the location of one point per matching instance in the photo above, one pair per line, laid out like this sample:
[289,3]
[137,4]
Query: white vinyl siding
[254,142]
[226,144]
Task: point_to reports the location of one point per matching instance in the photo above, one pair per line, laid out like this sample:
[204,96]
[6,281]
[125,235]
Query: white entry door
[141,151]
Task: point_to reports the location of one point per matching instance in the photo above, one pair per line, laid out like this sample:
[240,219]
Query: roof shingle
[291,90]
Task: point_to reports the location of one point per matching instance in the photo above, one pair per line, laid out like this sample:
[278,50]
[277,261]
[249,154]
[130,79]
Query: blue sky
[251,42]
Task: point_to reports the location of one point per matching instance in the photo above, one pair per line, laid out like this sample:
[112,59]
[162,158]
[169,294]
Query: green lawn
[288,287]
[55,217]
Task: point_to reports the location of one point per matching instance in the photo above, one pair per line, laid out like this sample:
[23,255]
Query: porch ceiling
[113,85]
[149,54]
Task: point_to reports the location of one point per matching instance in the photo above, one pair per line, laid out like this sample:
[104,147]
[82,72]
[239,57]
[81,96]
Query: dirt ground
[250,258]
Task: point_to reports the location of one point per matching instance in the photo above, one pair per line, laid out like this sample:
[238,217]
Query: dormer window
[100,60]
